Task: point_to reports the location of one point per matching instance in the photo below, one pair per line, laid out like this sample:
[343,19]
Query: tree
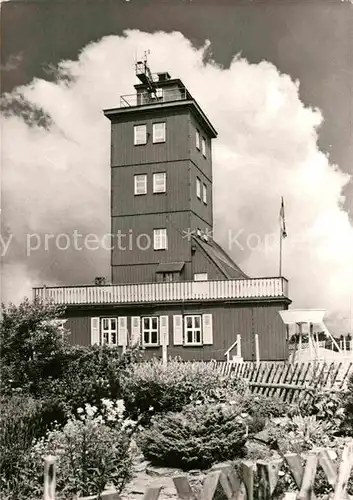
[32,344]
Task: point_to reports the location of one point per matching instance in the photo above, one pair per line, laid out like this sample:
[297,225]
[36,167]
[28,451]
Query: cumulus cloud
[56,175]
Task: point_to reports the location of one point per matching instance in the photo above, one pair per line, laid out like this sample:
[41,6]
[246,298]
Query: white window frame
[158,186]
[204,194]
[195,331]
[140,184]
[150,330]
[160,239]
[200,277]
[198,139]
[203,146]
[159,93]
[109,332]
[158,136]
[137,131]
[198,188]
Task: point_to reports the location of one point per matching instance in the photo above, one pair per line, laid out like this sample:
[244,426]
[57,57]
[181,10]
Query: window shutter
[122,331]
[207,329]
[135,330]
[164,330]
[178,329]
[95,334]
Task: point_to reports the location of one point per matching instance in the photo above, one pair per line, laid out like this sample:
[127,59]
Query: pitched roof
[221,259]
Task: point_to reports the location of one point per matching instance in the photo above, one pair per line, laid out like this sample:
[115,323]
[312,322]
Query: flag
[282,221]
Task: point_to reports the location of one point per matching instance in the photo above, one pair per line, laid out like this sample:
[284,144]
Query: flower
[79,410]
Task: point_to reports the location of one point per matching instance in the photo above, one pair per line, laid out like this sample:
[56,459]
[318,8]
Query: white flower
[79,410]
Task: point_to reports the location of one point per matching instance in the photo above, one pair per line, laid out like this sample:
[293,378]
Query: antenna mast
[144,74]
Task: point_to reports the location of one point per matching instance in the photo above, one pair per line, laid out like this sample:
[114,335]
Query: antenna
[144,74]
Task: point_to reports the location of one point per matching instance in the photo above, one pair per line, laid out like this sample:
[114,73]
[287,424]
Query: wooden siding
[197,205]
[176,197]
[201,263]
[228,321]
[134,227]
[176,147]
[196,156]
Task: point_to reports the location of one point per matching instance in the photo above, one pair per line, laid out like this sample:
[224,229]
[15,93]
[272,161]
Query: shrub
[90,456]
[348,406]
[328,406]
[265,406]
[21,422]
[149,388]
[196,437]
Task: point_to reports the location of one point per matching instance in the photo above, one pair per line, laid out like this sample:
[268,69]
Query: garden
[108,418]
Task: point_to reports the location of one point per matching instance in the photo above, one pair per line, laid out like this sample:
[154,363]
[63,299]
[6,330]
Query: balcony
[144,98]
[185,291]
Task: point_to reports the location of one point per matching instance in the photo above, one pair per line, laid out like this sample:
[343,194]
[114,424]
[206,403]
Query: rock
[263,437]
[141,467]
[154,471]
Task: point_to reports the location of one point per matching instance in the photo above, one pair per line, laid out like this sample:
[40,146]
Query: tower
[161,180]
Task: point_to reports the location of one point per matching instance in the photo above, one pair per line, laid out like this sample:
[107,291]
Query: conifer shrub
[195,438]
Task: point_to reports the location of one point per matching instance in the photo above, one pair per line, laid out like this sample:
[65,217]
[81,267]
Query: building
[173,288]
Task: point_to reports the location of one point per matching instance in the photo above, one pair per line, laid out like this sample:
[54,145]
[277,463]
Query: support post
[164,354]
[238,345]
[49,477]
[257,350]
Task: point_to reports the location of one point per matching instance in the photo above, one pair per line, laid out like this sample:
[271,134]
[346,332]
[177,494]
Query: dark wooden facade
[229,320]
[193,276]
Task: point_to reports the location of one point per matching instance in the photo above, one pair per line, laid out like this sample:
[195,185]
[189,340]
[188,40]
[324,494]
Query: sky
[274,78]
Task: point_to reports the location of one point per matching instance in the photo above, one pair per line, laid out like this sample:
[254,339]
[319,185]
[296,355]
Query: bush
[21,422]
[90,456]
[327,406]
[149,388]
[348,406]
[196,437]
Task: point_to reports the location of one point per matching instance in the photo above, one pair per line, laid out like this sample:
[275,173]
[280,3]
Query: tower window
[159,182]
[159,132]
[198,139]
[204,194]
[160,239]
[198,188]
[140,184]
[203,146]
[109,331]
[150,330]
[140,134]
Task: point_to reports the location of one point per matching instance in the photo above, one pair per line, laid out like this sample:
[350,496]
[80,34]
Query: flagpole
[280,251]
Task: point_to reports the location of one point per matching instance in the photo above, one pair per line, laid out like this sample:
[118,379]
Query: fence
[258,480]
[289,382]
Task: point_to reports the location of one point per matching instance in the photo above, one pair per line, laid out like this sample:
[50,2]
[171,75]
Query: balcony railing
[144,98]
[166,292]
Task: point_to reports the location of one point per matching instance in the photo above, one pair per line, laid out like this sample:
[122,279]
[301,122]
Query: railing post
[49,477]
[238,345]
[257,350]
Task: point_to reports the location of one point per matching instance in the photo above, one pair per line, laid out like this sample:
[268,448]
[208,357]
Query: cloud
[56,176]
[13,61]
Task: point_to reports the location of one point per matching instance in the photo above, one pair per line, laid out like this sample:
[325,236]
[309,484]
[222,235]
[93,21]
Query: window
[150,330]
[159,132]
[140,134]
[167,277]
[160,182]
[198,188]
[140,184]
[109,331]
[198,139]
[204,194]
[203,146]
[159,239]
[200,277]
[159,93]
[192,328]
[198,232]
